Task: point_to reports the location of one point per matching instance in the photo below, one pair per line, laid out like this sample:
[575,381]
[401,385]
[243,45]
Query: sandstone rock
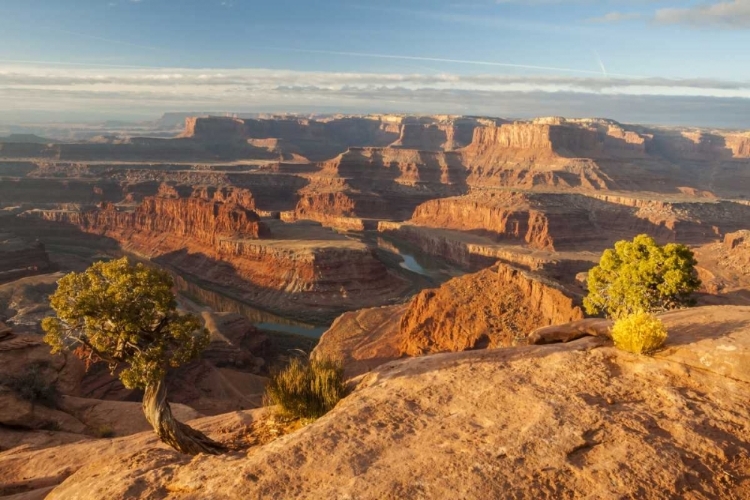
[573,222]
[566,420]
[22,352]
[363,339]
[18,413]
[313,139]
[444,135]
[122,418]
[20,258]
[204,220]
[467,250]
[298,269]
[492,308]
[711,339]
[567,332]
[31,470]
[734,240]
[724,269]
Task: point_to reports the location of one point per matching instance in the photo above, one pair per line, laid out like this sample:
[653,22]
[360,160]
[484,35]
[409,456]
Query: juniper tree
[641,276]
[126,316]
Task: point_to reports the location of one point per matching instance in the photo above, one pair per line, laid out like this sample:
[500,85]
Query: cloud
[616,17]
[175,80]
[664,110]
[119,91]
[732,14]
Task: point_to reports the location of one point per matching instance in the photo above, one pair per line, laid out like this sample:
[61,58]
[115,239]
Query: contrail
[601,64]
[456,61]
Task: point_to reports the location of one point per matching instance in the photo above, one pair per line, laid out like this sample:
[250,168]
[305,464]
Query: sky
[653,61]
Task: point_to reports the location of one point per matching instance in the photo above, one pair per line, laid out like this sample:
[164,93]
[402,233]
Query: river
[410,262]
[261,319]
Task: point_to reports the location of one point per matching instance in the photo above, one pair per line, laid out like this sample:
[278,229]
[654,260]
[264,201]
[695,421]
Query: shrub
[33,386]
[640,333]
[104,431]
[640,275]
[306,389]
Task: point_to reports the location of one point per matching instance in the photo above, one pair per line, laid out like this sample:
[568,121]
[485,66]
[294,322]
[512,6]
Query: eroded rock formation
[532,422]
[495,307]
[194,217]
[492,308]
[298,269]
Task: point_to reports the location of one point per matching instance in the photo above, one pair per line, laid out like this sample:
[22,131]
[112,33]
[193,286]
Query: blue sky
[126,58]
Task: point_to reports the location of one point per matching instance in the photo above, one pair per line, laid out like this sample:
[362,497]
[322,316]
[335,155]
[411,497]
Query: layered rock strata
[496,307]
[492,308]
[572,221]
[299,269]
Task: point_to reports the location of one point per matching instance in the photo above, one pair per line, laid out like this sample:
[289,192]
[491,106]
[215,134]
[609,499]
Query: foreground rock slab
[574,420]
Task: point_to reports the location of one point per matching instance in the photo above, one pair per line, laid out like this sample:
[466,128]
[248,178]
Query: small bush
[306,389]
[104,431]
[640,333]
[32,386]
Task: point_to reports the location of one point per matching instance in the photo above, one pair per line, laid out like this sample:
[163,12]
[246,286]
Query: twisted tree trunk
[179,436]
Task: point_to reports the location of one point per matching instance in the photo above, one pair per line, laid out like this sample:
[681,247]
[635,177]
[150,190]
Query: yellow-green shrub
[640,333]
[306,389]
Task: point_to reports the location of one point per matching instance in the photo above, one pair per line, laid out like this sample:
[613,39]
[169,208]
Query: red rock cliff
[197,218]
[308,272]
[565,139]
[491,308]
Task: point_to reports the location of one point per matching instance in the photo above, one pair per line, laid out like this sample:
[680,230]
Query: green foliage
[306,389]
[640,333]
[33,386]
[124,315]
[640,275]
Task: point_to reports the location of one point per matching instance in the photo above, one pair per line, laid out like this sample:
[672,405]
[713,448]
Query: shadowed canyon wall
[309,272]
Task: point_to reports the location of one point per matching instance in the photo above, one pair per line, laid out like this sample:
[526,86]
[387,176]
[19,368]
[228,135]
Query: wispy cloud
[37,74]
[730,14]
[145,91]
[616,17]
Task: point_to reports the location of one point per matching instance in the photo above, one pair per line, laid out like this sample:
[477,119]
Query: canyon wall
[443,135]
[456,247]
[586,140]
[20,258]
[700,145]
[552,221]
[511,219]
[301,270]
[401,166]
[313,139]
[202,220]
[495,307]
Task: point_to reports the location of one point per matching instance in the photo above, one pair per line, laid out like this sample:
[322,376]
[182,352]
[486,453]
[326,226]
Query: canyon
[429,254]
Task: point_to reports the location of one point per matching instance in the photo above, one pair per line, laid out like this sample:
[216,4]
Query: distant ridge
[26,139]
